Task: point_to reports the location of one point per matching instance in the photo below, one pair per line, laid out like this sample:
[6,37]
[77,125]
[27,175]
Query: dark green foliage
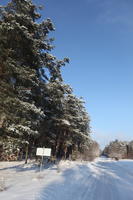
[36,107]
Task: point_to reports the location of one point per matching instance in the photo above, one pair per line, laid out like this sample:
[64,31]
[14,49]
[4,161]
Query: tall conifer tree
[24,47]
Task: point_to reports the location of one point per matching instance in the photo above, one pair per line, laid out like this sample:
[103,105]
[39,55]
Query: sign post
[43,152]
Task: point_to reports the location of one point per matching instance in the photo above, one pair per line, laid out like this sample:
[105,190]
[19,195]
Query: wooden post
[26,155]
[42,160]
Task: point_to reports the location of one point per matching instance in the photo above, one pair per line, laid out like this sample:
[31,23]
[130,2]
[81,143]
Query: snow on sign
[43,152]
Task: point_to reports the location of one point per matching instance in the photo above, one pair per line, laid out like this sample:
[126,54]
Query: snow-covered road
[103,179]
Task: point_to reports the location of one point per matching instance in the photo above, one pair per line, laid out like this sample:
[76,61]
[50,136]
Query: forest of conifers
[37,109]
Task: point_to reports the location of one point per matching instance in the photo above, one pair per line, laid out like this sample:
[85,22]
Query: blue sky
[97,36]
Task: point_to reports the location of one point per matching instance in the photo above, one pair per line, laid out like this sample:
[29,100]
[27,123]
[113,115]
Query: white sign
[43,152]
[47,152]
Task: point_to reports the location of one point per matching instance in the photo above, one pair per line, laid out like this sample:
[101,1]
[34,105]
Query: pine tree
[24,47]
[79,120]
[66,123]
[54,108]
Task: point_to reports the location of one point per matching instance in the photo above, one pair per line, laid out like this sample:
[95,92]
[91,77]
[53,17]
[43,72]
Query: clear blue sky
[97,36]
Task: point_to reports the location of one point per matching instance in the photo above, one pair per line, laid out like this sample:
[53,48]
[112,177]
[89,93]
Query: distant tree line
[37,108]
[119,150]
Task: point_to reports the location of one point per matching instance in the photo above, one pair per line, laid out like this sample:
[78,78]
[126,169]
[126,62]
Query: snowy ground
[103,179]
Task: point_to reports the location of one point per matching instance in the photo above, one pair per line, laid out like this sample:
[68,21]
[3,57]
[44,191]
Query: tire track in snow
[105,187]
[92,181]
[100,189]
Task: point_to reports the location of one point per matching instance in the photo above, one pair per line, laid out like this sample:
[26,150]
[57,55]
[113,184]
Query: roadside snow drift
[103,179]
